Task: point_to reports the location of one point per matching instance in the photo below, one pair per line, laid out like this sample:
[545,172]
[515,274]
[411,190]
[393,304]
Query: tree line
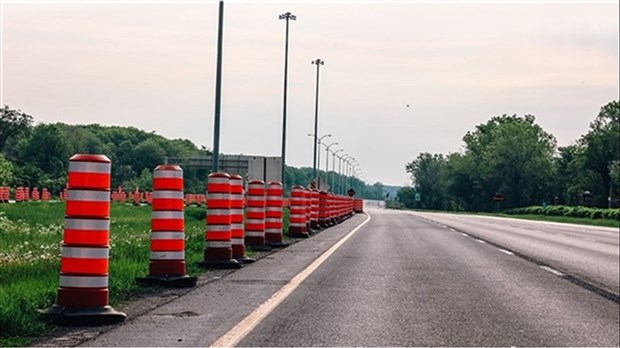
[37,155]
[510,161]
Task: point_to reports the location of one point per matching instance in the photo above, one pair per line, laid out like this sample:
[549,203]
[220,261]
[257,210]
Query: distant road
[586,252]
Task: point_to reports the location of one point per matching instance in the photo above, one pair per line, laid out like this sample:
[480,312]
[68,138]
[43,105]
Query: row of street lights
[349,165]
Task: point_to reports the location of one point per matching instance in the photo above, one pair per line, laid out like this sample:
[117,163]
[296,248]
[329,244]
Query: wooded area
[511,162]
[38,156]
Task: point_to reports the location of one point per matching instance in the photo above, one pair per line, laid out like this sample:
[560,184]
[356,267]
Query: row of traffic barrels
[83,288]
[23,194]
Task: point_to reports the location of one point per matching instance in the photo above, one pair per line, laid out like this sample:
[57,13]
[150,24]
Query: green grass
[564,219]
[30,246]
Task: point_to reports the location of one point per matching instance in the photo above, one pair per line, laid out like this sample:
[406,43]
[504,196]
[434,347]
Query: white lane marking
[452,229]
[554,271]
[464,234]
[481,241]
[245,326]
[506,251]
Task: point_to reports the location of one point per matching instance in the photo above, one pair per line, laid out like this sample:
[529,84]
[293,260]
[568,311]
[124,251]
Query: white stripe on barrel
[85,253]
[88,195]
[89,167]
[83,282]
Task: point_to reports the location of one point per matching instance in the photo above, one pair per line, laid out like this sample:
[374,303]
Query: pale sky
[151,65]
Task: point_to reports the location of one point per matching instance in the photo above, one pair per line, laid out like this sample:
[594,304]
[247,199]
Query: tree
[601,149]
[426,173]
[511,156]
[47,149]
[12,124]
[6,171]
[147,154]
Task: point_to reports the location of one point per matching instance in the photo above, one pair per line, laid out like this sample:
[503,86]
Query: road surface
[399,280]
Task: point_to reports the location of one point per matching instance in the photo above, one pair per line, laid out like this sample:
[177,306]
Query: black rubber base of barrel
[225,264]
[168,281]
[88,316]
[245,259]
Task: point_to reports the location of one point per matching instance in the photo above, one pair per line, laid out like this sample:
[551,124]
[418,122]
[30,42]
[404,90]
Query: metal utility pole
[334,167]
[215,165]
[318,62]
[286,16]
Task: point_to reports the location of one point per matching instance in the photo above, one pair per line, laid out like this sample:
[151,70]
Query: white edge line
[549,269]
[506,251]
[245,326]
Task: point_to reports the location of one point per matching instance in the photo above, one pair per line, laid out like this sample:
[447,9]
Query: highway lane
[588,253]
[403,281]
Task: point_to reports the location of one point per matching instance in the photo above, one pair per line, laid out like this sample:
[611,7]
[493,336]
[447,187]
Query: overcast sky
[151,65]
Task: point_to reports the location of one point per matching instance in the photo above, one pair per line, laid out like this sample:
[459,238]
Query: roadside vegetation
[512,162]
[31,235]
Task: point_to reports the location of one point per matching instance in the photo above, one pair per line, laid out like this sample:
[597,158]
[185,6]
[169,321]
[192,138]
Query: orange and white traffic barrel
[83,292]
[297,213]
[359,205]
[314,209]
[273,215]
[236,219]
[323,209]
[218,248]
[255,216]
[167,261]
[308,206]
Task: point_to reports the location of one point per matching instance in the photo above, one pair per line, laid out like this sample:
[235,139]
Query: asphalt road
[400,280]
[587,252]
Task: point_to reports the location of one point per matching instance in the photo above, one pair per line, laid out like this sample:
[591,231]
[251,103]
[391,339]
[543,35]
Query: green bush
[561,210]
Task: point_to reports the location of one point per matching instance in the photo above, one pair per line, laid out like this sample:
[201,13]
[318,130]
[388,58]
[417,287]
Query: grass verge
[30,247]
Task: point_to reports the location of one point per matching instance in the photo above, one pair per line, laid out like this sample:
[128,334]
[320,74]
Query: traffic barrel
[236,219]
[83,292]
[297,213]
[218,248]
[308,208]
[358,206]
[314,209]
[331,206]
[323,209]
[255,216]
[4,194]
[273,215]
[167,251]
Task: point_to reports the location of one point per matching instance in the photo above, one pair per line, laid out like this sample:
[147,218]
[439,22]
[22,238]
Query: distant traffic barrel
[167,248]
[218,244]
[314,209]
[237,230]
[273,215]
[83,292]
[255,216]
[297,213]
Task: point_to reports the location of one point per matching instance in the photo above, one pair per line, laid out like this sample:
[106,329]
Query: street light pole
[318,62]
[286,16]
[317,154]
[334,167]
[215,165]
[327,158]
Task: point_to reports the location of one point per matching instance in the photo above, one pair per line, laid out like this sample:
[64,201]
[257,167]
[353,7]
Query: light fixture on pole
[286,16]
[334,168]
[317,154]
[318,62]
[327,156]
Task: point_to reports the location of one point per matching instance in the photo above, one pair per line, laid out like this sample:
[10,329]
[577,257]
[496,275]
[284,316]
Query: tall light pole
[327,155]
[318,62]
[334,167]
[286,16]
[215,165]
[317,154]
